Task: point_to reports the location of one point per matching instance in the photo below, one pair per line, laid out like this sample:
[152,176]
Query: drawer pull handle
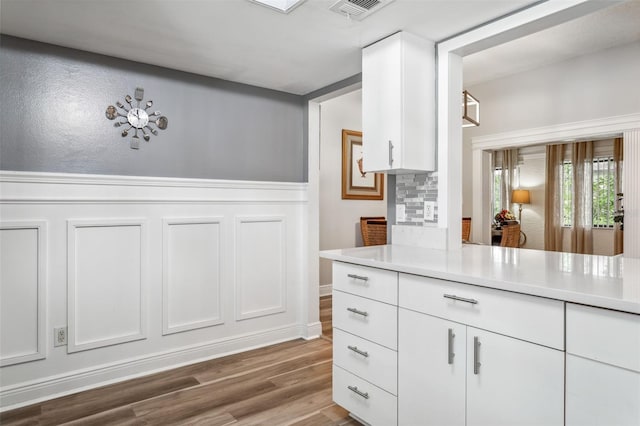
[476,355]
[356,311]
[358,277]
[462,299]
[358,351]
[355,389]
[450,346]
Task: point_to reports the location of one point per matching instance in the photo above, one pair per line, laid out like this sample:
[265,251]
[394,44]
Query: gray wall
[52,104]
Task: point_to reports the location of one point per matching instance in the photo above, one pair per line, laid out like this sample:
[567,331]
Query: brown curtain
[582,219]
[618,240]
[553,198]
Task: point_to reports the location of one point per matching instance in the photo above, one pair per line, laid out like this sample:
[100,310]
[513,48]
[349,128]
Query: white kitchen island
[486,336]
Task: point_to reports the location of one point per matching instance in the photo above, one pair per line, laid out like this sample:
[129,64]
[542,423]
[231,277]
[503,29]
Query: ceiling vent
[358,9]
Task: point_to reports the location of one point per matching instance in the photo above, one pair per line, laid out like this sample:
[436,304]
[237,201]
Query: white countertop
[602,281]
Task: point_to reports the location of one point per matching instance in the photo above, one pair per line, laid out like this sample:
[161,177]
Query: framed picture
[356,183]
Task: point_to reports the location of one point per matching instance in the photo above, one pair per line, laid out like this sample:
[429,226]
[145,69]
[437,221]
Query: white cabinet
[451,373]
[432,368]
[365,321]
[398,104]
[603,367]
[512,382]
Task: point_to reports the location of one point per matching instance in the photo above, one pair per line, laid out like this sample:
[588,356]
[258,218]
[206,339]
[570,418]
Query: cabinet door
[512,382]
[430,382]
[600,394]
[382,103]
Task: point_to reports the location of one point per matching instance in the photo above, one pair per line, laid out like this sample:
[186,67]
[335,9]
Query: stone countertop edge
[618,289]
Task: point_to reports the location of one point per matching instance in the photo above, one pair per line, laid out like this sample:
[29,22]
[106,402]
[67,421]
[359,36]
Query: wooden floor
[284,384]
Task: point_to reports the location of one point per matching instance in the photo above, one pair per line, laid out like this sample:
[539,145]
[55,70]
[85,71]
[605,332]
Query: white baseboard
[27,393]
[326,290]
[312,331]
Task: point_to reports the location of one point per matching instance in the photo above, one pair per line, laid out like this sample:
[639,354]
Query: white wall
[532,178]
[338,217]
[146,273]
[600,85]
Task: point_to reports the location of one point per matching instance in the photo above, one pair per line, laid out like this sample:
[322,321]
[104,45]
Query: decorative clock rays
[137,118]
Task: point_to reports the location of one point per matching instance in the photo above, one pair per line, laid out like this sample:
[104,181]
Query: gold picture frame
[357,184]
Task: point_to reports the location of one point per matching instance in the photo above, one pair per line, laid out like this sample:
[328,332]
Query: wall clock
[137,118]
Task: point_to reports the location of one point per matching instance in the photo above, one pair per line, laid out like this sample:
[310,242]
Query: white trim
[600,127]
[41,352]
[166,223]
[118,180]
[47,388]
[326,290]
[60,188]
[72,226]
[311,331]
[282,307]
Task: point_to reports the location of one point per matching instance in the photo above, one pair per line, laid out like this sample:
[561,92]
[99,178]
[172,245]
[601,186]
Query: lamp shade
[520,196]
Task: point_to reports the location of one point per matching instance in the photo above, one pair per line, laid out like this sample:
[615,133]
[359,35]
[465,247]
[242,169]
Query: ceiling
[303,51]
[606,28]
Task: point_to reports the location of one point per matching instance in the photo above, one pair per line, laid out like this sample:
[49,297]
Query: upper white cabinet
[398,105]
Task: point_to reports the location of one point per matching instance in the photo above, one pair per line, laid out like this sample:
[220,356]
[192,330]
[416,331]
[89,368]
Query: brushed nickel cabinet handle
[355,389]
[476,355]
[356,311]
[450,346]
[461,299]
[390,154]
[358,351]
[358,277]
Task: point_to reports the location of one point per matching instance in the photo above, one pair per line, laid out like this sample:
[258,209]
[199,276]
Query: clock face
[138,117]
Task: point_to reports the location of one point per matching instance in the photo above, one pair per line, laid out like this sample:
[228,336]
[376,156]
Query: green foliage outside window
[603,193]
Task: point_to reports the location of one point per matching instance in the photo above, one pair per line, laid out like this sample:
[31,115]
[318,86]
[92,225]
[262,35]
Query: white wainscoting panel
[260,266]
[22,292]
[146,273]
[192,273]
[106,283]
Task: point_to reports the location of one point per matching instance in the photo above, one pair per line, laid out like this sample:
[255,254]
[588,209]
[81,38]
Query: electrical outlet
[429,211]
[60,336]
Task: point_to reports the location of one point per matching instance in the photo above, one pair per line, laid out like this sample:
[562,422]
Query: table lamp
[520,196]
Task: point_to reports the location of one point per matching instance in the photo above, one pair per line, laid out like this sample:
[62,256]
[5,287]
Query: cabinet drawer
[603,335]
[377,284]
[372,404]
[375,363]
[530,318]
[369,319]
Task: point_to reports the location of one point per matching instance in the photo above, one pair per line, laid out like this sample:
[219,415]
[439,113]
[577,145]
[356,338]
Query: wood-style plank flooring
[284,384]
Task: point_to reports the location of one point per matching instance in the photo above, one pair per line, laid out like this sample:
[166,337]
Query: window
[497,197]
[603,192]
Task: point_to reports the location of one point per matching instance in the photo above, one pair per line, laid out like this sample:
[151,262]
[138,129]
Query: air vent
[358,9]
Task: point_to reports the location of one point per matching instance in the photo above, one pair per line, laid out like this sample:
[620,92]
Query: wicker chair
[510,236]
[466,229]
[374,230]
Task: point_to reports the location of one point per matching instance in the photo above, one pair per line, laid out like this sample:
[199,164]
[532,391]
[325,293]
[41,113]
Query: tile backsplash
[412,190]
